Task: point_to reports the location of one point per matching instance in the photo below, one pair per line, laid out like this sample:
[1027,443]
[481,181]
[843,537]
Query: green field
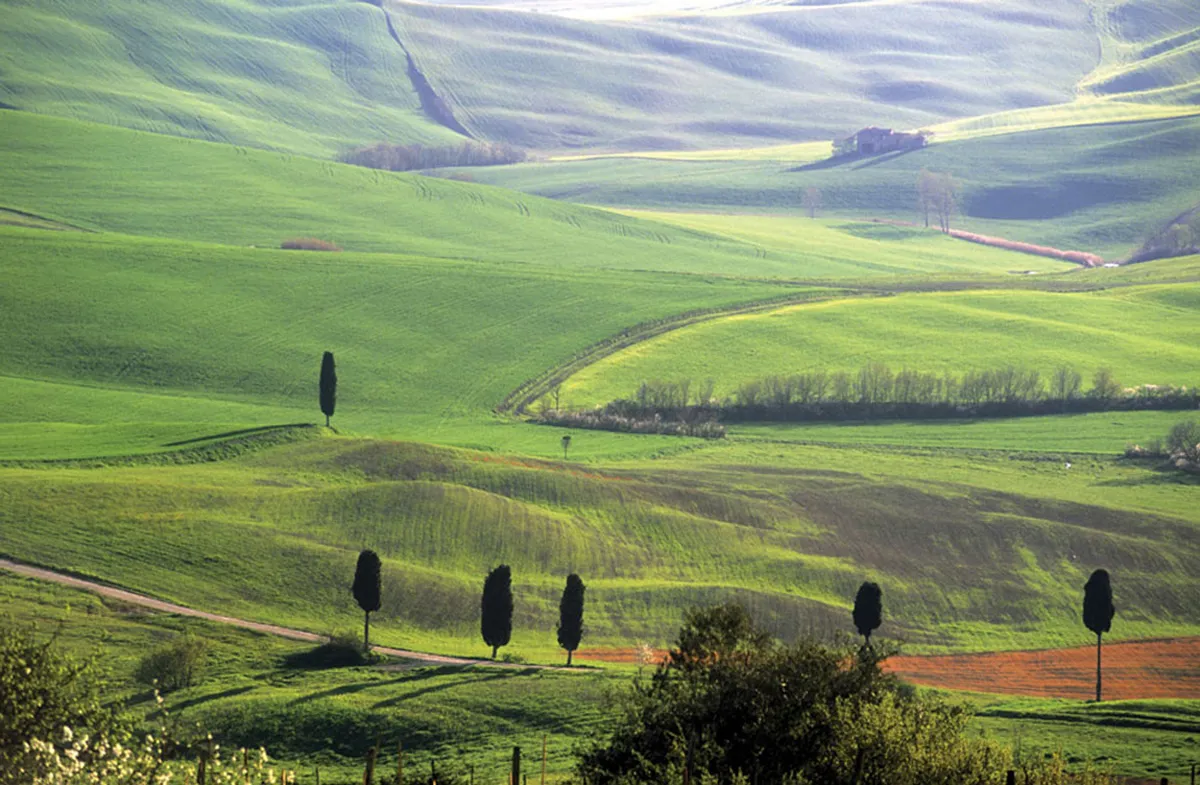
[1099,188]
[159,353]
[1145,334]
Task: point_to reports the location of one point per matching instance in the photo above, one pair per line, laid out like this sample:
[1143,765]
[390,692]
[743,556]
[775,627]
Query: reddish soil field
[1168,668]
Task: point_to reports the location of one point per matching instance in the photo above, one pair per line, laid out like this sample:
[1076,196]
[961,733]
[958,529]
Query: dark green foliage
[495,619]
[731,703]
[43,690]
[1098,612]
[340,651]
[570,615]
[868,609]
[175,665]
[328,385]
[367,589]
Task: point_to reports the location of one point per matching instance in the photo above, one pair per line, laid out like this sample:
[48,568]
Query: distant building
[876,141]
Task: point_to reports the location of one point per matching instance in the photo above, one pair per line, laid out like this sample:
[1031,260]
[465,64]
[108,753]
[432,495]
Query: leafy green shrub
[175,665]
[342,650]
[729,704]
[1184,439]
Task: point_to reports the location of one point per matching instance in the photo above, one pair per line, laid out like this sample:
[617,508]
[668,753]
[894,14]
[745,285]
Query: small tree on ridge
[570,616]
[328,387]
[496,608]
[366,589]
[1098,612]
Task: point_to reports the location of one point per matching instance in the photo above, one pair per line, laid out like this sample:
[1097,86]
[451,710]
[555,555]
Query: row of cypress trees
[496,605]
[496,611]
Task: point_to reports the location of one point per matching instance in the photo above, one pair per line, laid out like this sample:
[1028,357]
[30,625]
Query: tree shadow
[241,432]
[350,689]
[876,160]
[389,702]
[230,693]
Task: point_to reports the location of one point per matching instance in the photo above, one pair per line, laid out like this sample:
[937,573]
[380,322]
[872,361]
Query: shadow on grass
[230,693]
[351,689]
[242,432]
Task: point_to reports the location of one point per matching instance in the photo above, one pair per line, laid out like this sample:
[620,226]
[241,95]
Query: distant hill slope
[318,77]
[1152,51]
[308,77]
[789,73]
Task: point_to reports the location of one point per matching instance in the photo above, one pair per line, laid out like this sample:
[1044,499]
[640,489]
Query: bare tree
[937,194]
[811,201]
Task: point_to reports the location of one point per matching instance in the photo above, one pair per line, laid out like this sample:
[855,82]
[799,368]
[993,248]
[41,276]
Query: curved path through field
[142,600]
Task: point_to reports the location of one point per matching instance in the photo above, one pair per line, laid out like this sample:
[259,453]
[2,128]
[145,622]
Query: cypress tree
[366,589]
[570,616]
[328,385]
[1098,612]
[868,609]
[496,609]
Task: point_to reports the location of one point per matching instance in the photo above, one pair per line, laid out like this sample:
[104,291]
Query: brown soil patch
[1167,668]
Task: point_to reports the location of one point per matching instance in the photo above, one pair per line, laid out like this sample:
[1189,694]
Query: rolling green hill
[967,562]
[1095,188]
[941,332]
[306,77]
[791,73]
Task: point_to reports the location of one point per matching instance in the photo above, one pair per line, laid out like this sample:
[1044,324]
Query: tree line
[878,391]
[412,157]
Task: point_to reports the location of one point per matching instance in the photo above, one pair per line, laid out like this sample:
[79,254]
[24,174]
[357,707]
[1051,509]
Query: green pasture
[1102,433]
[1144,334]
[125,344]
[976,551]
[472,717]
[309,78]
[1098,188]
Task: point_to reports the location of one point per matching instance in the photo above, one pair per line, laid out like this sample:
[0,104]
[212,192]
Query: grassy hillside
[311,78]
[1096,188]
[1006,543]
[423,346]
[465,718]
[1144,334]
[714,81]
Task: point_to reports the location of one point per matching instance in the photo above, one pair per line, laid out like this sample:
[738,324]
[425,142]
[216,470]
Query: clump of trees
[412,157]
[1179,237]
[619,417]
[1181,447]
[878,391]
[937,196]
[729,704]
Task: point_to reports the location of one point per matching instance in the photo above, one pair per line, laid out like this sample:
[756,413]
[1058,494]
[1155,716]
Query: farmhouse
[875,141]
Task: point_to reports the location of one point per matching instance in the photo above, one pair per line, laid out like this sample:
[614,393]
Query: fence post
[1164,781]
[369,771]
[1010,778]
[514,778]
[543,759]
[433,770]
[1193,774]
[399,763]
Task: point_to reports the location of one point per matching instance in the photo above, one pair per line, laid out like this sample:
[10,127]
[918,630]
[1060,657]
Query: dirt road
[142,600]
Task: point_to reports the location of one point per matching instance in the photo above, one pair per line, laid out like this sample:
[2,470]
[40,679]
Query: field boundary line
[534,388]
[146,601]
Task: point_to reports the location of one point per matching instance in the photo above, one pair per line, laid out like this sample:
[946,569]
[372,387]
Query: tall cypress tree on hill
[367,589]
[570,616]
[1098,612]
[328,387]
[495,619]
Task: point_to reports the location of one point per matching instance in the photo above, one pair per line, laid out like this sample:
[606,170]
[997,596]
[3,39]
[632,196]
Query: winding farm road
[142,600]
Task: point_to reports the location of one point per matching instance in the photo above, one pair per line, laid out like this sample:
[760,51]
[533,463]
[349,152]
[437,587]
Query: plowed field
[1168,668]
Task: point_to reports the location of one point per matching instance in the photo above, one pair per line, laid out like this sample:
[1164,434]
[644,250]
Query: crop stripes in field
[532,389]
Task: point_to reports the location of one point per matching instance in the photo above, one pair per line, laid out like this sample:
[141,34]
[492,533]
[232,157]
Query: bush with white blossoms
[78,760]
